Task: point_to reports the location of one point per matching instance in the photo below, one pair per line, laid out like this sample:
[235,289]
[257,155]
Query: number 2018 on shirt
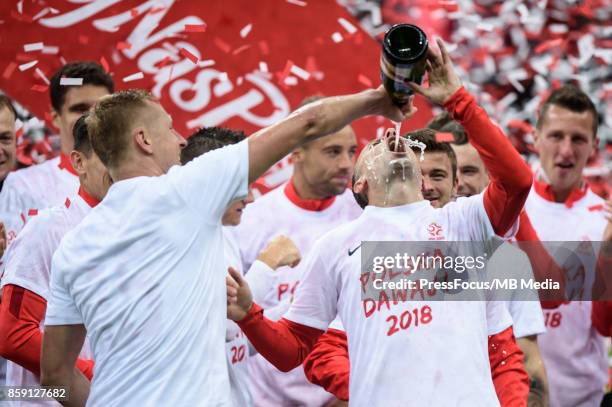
[408,318]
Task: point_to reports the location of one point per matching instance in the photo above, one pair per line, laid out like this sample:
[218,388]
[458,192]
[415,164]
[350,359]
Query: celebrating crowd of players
[129,257]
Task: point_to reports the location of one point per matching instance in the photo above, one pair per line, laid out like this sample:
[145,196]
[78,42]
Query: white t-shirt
[269,216]
[37,187]
[28,265]
[574,353]
[429,353]
[145,273]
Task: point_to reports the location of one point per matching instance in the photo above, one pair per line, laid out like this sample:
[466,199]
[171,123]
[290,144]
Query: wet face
[166,143]
[233,213]
[472,176]
[327,164]
[8,144]
[78,100]
[565,142]
[439,186]
[382,162]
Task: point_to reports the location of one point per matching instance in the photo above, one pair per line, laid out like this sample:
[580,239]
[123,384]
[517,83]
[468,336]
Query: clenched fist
[280,251]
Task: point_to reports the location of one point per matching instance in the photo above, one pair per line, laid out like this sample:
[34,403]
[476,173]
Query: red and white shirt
[425,352]
[29,190]
[269,216]
[574,353]
[28,265]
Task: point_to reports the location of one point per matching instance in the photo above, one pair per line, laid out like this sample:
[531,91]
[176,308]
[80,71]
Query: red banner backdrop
[242,64]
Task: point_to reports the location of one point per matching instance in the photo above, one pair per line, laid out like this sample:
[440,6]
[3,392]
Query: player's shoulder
[25,180]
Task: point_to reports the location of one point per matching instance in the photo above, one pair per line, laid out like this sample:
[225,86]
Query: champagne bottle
[402,60]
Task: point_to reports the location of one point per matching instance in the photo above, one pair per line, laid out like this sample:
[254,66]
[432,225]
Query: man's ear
[142,139]
[297,155]
[76,159]
[360,192]
[55,118]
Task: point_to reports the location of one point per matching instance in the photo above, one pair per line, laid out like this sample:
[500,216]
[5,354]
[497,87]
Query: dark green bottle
[402,60]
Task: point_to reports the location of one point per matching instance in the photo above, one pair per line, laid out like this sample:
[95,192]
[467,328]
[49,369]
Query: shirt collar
[90,200]
[65,164]
[315,205]
[545,191]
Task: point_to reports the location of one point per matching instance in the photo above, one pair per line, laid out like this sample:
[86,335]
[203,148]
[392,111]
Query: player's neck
[304,190]
[136,168]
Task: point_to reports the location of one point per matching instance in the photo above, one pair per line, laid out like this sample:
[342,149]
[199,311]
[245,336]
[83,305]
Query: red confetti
[8,71]
[104,64]
[598,207]
[222,45]
[40,88]
[155,10]
[240,49]
[123,45]
[188,55]
[67,203]
[443,137]
[263,47]
[33,212]
[364,80]
[22,216]
[521,125]
[546,45]
[160,64]
[195,28]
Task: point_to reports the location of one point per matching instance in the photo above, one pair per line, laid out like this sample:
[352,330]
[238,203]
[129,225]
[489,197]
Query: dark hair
[110,121]
[444,123]
[81,136]
[571,98]
[207,139]
[6,102]
[91,72]
[428,137]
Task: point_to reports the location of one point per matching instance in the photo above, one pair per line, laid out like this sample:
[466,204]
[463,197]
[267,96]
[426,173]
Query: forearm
[285,344]
[75,382]
[507,370]
[534,365]
[511,177]
[328,364]
[314,120]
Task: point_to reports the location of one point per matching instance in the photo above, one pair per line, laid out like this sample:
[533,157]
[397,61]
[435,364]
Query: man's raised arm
[315,120]
[511,177]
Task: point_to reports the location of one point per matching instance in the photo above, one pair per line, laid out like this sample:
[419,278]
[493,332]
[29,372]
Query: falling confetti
[133,77]
[71,81]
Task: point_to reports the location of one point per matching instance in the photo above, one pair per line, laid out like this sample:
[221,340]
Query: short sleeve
[316,298]
[61,309]
[27,261]
[527,318]
[472,219]
[211,181]
[498,317]
[15,203]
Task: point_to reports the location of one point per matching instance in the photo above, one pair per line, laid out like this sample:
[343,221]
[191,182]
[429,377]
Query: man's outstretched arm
[315,120]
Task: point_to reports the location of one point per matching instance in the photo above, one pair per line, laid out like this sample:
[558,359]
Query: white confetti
[558,28]
[50,50]
[299,72]
[42,13]
[297,2]
[246,30]
[586,48]
[336,37]
[35,46]
[20,6]
[206,63]
[27,65]
[350,28]
[133,77]
[263,67]
[42,76]
[71,81]
[291,81]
